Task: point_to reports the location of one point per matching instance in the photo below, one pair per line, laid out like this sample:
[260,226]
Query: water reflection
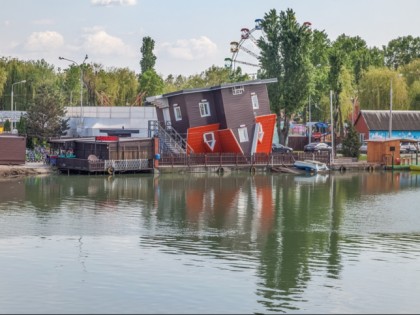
[298,235]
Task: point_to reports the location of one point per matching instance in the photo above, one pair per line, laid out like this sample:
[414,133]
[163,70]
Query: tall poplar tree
[150,83]
[148,59]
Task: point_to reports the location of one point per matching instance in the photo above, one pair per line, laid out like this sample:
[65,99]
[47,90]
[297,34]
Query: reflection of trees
[291,227]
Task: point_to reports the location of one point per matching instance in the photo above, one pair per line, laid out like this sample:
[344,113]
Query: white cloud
[100,42]
[189,49]
[107,3]
[42,41]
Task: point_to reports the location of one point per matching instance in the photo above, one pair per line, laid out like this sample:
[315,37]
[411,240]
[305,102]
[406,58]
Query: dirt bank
[28,169]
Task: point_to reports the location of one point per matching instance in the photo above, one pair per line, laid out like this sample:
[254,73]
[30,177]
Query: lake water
[204,243]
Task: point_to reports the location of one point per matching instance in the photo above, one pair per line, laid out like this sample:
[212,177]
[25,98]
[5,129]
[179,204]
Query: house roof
[401,119]
[158,99]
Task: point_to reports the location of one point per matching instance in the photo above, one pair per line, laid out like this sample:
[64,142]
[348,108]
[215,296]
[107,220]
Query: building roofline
[217,87]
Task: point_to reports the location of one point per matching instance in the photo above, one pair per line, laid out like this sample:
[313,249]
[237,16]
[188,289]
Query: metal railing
[236,159]
[169,139]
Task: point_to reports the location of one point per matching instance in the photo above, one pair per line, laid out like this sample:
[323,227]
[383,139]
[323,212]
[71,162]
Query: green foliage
[151,83]
[375,88]
[351,143]
[148,59]
[401,51]
[21,125]
[285,55]
[7,125]
[44,118]
[3,79]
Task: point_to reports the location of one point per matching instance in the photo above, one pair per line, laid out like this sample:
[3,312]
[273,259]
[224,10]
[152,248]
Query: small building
[375,124]
[104,154]
[228,118]
[383,151]
[12,149]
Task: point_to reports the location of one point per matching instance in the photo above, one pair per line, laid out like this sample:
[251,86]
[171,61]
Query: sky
[190,35]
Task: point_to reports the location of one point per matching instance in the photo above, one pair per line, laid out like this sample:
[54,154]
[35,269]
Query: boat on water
[311,166]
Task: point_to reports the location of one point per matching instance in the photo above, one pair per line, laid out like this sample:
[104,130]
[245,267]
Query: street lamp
[81,84]
[11,100]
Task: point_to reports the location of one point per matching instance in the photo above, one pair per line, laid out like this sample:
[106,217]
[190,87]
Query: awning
[321,125]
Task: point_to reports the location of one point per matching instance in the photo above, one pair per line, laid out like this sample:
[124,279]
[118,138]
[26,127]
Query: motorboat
[311,166]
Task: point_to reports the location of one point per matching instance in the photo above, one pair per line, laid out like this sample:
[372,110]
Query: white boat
[311,166]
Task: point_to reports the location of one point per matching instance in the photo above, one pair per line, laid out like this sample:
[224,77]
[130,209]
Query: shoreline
[27,169]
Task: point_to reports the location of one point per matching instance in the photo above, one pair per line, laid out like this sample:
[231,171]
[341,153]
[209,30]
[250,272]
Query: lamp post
[390,111]
[81,84]
[310,121]
[11,100]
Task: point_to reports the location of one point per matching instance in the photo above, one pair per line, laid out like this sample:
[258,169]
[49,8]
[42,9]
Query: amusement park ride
[245,52]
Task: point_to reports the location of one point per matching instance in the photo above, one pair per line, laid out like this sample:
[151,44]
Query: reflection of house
[233,117]
[374,124]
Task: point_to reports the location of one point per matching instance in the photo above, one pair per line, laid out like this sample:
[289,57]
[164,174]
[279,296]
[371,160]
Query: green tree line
[307,64]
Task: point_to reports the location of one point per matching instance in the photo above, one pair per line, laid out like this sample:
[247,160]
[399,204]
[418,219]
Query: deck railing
[236,159]
[103,165]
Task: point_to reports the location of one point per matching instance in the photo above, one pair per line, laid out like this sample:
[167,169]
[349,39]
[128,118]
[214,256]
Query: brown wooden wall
[120,150]
[12,150]
[380,151]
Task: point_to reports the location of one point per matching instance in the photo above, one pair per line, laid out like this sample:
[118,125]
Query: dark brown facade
[12,150]
[121,149]
[233,107]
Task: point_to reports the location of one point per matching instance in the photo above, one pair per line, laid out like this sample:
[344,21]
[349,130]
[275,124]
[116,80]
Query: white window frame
[243,134]
[260,132]
[209,140]
[254,100]
[177,112]
[204,108]
[237,90]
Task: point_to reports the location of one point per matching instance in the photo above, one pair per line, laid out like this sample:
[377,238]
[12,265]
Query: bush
[351,143]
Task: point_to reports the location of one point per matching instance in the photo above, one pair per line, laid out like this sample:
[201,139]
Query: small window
[260,132]
[209,140]
[243,134]
[254,99]
[204,109]
[177,112]
[237,90]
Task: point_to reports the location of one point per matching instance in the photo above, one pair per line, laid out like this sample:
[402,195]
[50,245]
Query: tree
[21,125]
[45,116]
[351,143]
[285,53]
[7,125]
[375,87]
[150,84]
[148,59]
[411,73]
[401,51]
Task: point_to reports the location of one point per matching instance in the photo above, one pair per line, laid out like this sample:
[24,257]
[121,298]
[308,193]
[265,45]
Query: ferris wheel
[245,52]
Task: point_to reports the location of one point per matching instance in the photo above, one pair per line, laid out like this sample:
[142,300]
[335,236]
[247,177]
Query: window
[209,140]
[243,134]
[260,132]
[254,99]
[237,90]
[204,109]
[177,112]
